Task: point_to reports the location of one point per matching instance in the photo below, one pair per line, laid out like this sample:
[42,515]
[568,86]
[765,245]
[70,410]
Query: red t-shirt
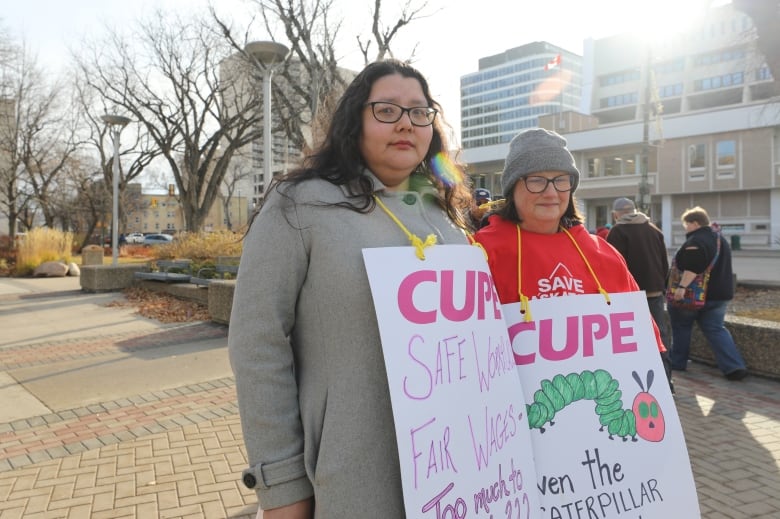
[551,265]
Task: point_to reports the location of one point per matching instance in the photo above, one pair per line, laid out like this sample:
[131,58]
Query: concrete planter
[221,300]
[757,340]
[109,278]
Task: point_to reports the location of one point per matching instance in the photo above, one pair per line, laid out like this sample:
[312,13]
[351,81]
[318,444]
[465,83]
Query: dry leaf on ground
[162,307]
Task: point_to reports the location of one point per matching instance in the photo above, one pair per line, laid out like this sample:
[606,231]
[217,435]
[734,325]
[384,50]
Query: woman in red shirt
[536,244]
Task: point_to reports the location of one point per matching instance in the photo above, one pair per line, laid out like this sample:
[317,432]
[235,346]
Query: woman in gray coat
[304,342]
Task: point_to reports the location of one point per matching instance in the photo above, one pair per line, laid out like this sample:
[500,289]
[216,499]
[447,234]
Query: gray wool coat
[305,349]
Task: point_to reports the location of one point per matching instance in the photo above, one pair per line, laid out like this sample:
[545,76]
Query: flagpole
[560,76]
[557,62]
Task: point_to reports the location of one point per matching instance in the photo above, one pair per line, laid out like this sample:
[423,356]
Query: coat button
[249,480]
[410,199]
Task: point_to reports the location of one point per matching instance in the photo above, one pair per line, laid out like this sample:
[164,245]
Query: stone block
[92,255]
[109,278]
[221,300]
[757,340]
[51,269]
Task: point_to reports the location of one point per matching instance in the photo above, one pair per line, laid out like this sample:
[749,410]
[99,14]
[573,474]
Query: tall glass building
[509,93]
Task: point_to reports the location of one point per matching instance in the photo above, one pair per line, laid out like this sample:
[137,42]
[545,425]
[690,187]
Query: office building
[683,122]
[508,94]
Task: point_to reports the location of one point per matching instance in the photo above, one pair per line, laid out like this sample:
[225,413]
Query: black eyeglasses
[561,183]
[389,113]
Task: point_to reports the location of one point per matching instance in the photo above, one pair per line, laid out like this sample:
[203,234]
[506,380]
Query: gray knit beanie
[535,150]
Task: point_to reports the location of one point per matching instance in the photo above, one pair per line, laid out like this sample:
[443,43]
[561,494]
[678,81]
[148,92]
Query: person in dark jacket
[693,258]
[642,245]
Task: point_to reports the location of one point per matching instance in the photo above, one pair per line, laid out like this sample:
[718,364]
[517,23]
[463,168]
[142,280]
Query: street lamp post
[644,185]
[115,124]
[269,54]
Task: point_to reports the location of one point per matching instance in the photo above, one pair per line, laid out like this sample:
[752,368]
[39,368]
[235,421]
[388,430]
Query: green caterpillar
[598,386]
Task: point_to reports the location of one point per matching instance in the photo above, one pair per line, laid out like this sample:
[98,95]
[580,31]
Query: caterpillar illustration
[645,418]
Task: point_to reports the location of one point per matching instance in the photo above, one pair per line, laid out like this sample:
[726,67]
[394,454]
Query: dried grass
[201,246]
[41,245]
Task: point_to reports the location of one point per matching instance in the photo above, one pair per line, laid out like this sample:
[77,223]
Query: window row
[516,67]
[725,155]
[612,166]
[726,80]
[619,77]
[712,58]
[630,98]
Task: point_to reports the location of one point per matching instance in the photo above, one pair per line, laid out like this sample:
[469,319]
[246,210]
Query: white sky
[449,42]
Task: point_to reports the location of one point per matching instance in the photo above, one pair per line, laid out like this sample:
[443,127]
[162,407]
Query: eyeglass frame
[404,110]
[550,181]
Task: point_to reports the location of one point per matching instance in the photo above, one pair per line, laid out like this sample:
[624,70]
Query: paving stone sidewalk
[178,452]
[171,453]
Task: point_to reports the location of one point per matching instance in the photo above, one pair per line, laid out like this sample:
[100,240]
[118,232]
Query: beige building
[698,107]
[162,213]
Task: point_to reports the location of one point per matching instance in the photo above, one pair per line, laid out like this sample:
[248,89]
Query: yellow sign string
[415,240]
[525,309]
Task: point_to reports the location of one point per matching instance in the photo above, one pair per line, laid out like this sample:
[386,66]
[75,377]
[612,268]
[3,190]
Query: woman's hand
[685,279]
[300,510]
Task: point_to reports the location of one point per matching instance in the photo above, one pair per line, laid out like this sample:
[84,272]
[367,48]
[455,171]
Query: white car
[157,239]
[135,237]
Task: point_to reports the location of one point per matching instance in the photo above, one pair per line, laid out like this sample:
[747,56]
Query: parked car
[157,239]
[135,237]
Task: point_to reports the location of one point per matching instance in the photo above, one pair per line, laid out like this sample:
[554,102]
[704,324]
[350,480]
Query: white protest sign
[607,439]
[463,437]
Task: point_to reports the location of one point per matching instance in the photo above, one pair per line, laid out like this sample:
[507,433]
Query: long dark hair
[339,161]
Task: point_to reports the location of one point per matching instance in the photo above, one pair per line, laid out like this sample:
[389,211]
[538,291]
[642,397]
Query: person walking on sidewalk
[693,258]
[642,245]
[304,340]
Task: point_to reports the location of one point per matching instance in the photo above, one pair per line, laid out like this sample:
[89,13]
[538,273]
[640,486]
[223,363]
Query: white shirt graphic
[559,283]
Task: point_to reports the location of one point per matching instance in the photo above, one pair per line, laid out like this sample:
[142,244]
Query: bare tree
[89,201]
[68,203]
[138,150]
[311,79]
[48,133]
[37,135]
[179,82]
[237,172]
[10,163]
[766,20]
[383,35]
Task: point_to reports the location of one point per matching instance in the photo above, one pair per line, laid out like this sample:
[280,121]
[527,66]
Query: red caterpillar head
[650,424]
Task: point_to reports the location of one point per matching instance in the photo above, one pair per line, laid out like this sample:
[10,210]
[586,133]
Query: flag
[554,63]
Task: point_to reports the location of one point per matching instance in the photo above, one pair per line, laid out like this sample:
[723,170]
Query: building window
[763,74]
[674,90]
[720,56]
[715,82]
[776,143]
[619,100]
[697,153]
[619,77]
[726,154]
[594,168]
[611,167]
